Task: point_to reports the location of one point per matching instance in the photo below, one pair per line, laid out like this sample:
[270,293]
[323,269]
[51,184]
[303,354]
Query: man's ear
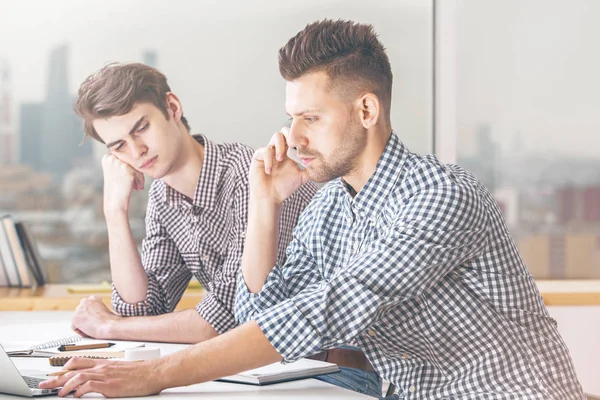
[174,107]
[369,108]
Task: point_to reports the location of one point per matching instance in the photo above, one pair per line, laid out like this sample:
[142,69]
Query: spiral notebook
[46,349]
[278,372]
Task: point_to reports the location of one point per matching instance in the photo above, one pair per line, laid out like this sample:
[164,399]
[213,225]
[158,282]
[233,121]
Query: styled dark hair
[116,88]
[349,52]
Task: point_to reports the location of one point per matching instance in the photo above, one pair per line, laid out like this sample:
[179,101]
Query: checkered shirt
[420,271]
[203,238]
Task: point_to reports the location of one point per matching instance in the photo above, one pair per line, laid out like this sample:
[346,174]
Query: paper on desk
[21,349]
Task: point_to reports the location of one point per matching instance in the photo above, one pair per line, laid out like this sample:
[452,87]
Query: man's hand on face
[109,378]
[92,318]
[273,175]
[120,179]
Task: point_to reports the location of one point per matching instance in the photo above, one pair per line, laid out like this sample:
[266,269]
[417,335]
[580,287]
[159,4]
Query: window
[526,122]
[220,59]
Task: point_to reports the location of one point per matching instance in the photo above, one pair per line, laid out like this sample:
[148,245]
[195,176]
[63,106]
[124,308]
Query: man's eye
[119,147]
[143,128]
[310,119]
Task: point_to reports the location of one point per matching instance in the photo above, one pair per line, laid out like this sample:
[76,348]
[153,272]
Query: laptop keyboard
[32,382]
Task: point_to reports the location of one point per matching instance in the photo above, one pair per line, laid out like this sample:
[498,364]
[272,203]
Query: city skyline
[526,109]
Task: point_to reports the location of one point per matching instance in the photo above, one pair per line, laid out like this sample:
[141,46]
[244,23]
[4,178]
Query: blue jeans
[360,381]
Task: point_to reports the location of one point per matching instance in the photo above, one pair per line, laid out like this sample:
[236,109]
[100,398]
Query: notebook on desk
[52,349]
[278,372]
[46,349]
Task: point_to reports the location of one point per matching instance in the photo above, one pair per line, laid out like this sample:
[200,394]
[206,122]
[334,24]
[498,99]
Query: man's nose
[139,149]
[296,137]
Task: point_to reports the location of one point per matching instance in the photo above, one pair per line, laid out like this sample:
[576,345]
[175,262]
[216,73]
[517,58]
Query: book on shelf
[8,262]
[20,261]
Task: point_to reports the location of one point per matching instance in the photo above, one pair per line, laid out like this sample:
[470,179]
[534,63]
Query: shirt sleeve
[440,228]
[168,276]
[217,306]
[300,271]
[291,210]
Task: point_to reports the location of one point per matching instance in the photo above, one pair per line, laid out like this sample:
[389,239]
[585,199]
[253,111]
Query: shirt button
[371,333]
[403,319]
[412,389]
[373,219]
[205,258]
[405,356]
[243,234]
[355,246]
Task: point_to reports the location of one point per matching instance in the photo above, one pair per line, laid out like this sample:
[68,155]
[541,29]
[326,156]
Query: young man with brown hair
[196,214]
[401,255]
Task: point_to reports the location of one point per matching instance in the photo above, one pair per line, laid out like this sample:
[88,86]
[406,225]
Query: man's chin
[319,176]
[155,174]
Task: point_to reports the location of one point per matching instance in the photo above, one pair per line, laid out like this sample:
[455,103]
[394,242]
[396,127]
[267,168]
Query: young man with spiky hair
[405,257]
[196,214]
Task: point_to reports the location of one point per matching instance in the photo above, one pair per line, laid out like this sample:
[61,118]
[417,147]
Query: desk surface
[56,296]
[23,326]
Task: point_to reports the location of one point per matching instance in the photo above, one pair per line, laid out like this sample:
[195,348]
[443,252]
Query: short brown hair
[349,52]
[116,88]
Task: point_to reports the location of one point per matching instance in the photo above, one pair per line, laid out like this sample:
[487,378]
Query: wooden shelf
[56,297]
[572,292]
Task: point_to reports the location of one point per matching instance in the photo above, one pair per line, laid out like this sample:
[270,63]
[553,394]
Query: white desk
[40,326]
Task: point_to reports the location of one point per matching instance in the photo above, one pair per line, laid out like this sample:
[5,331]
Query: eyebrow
[133,129]
[309,110]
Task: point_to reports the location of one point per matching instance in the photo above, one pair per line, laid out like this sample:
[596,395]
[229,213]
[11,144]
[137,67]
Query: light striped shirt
[420,271]
[203,237]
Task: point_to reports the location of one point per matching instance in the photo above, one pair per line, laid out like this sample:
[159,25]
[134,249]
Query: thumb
[138,181]
[304,177]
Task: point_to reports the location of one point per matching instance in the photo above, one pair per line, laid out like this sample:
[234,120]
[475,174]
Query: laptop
[12,382]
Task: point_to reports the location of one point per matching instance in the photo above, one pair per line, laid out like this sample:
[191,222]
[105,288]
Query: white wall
[580,328]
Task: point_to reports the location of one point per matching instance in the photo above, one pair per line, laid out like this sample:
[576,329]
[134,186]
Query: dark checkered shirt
[420,271]
[203,238]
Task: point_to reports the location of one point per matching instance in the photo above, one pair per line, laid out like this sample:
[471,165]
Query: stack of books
[20,262]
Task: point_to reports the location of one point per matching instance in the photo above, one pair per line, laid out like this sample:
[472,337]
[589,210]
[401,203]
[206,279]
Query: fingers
[138,180]
[92,387]
[279,142]
[266,155]
[57,382]
[110,162]
[76,381]
[76,363]
[276,150]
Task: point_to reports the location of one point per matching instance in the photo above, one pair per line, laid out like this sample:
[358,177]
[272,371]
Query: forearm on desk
[240,349]
[126,268]
[185,326]
[260,249]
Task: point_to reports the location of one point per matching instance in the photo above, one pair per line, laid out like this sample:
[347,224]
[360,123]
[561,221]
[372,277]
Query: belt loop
[326,355]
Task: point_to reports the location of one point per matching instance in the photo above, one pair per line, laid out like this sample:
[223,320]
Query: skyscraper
[61,131]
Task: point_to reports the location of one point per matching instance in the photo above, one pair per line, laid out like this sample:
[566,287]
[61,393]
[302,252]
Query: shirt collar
[374,194]
[206,188]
